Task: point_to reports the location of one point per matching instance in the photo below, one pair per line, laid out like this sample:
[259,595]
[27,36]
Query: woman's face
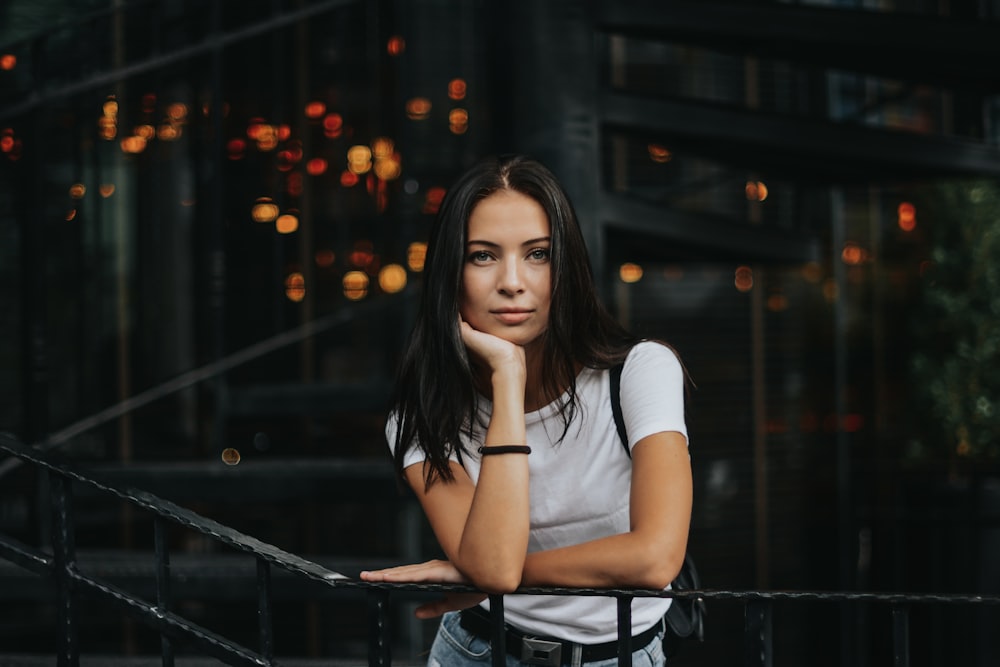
[506,277]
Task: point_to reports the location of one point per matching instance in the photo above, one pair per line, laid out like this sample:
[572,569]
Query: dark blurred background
[212,215]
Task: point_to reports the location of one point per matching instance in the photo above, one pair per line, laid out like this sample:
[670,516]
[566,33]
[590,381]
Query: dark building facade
[212,226]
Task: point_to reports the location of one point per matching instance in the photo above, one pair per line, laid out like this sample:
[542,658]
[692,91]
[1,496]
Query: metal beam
[804,148]
[954,53]
[744,242]
[39,98]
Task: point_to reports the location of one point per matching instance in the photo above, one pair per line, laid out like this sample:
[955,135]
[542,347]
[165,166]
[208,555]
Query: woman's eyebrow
[491,244]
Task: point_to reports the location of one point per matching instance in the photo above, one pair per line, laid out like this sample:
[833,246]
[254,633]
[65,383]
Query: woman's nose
[511,280]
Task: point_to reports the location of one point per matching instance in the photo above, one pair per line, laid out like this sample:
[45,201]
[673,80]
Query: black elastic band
[505,449]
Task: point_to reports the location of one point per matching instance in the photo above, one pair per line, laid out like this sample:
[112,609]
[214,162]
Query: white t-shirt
[580,487]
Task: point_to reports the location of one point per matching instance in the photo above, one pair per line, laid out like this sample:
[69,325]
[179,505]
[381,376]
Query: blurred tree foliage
[956,364]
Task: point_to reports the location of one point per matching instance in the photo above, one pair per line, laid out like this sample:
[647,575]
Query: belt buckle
[541,652]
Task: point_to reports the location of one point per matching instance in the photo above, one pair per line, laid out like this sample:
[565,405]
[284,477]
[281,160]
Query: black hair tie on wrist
[504,449]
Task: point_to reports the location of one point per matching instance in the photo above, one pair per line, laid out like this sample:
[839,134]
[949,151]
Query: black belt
[535,650]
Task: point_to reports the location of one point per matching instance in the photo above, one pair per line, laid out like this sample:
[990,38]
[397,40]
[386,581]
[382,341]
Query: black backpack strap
[686,616]
[615,376]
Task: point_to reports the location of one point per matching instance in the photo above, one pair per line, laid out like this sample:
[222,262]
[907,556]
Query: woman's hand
[436,571]
[494,351]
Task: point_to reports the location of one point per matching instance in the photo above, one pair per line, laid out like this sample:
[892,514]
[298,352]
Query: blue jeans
[454,646]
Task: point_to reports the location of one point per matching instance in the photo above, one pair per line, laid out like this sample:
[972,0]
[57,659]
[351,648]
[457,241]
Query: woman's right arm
[483,527]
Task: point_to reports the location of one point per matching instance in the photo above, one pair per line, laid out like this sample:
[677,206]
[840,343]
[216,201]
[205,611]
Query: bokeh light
[852,254]
[416,253]
[906,216]
[315,109]
[286,223]
[295,287]
[392,278]
[755,191]
[333,125]
[743,279]
[418,108]
[264,210]
[457,89]
[458,121]
[630,272]
[395,46]
[355,285]
[432,200]
[658,153]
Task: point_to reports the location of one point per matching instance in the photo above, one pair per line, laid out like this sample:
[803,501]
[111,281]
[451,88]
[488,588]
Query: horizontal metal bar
[213,42]
[952,52]
[748,243]
[802,147]
[312,570]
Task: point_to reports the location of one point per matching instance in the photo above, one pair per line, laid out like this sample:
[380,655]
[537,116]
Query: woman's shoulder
[649,350]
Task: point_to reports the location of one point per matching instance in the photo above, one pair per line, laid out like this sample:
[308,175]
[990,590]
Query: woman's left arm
[651,553]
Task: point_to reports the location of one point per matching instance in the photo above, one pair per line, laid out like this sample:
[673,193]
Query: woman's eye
[539,254]
[479,256]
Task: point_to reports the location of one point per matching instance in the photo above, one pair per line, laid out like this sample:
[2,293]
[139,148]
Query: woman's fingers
[493,350]
[439,571]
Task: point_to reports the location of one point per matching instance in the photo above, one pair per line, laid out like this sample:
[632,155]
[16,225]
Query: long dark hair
[435,399]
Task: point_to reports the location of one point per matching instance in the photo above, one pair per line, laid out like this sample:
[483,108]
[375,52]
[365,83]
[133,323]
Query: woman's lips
[512,316]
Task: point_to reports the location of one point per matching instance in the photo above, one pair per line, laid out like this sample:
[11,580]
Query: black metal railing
[61,567]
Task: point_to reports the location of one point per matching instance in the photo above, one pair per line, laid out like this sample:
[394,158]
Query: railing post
[758,633]
[624,630]
[498,634]
[900,635]
[64,560]
[379,644]
[163,584]
[264,609]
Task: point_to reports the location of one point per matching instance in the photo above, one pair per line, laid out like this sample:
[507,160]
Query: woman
[503,427]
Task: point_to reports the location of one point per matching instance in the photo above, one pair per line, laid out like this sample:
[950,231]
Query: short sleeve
[652,392]
[413,454]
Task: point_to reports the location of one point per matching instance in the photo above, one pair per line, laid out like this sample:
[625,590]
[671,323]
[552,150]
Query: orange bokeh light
[325,258]
[8,61]
[315,109]
[756,191]
[293,185]
[333,125]
[432,201]
[396,45]
[316,166]
[418,108]
[457,89]
[630,272]
[348,179]
[286,223]
[295,287]
[458,121]
[743,279]
[852,254]
[907,216]
[658,153]
[416,253]
[355,285]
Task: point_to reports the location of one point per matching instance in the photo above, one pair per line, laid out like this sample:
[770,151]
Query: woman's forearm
[495,537]
[625,560]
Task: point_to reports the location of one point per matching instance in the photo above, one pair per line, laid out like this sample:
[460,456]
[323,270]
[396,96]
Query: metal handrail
[61,566]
